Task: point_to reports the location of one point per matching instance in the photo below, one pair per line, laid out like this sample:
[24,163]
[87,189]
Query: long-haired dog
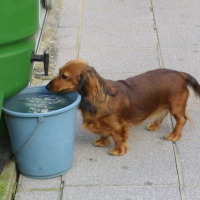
[109,108]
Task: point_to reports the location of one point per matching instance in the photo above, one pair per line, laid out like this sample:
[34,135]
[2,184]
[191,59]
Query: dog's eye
[63,76]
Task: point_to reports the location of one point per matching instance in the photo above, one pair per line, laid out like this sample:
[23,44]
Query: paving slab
[117,17]
[68,4]
[121,193]
[176,4]
[64,55]
[185,60]
[67,38]
[145,163]
[191,193]
[189,154]
[110,4]
[116,37]
[118,76]
[69,18]
[39,195]
[187,17]
[179,37]
[26,183]
[107,61]
[126,62]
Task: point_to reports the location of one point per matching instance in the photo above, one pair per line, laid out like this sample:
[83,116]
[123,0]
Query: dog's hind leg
[177,132]
[178,111]
[155,125]
[102,141]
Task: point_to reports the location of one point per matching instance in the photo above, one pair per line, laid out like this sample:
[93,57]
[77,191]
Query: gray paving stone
[67,38]
[104,37]
[39,195]
[189,154]
[118,76]
[70,18]
[186,60]
[176,4]
[121,60]
[145,163]
[68,4]
[191,193]
[110,4]
[179,37]
[25,183]
[117,17]
[64,55]
[121,193]
[177,17]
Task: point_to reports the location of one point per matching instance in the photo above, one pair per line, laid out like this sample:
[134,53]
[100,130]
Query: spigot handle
[42,58]
[46,63]
[36,58]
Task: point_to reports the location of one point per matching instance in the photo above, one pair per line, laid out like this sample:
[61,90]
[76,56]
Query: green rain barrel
[18,25]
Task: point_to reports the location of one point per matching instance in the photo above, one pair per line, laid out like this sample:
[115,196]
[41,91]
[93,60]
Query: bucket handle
[40,121]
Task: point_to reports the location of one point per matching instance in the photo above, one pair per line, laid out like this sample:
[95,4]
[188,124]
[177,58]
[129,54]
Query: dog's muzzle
[48,86]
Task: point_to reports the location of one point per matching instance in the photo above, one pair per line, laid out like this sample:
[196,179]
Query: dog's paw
[173,137]
[118,151]
[152,126]
[101,143]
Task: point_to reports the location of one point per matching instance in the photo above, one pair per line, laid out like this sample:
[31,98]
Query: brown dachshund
[109,108]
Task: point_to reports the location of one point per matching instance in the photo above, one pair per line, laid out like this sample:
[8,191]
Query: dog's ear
[82,84]
[83,90]
[85,104]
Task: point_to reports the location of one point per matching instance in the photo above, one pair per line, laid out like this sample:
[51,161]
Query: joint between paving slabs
[156,35]
[177,160]
[80,30]
[178,165]
[37,189]
[62,185]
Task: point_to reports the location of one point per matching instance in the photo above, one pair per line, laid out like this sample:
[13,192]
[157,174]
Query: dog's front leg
[120,139]
[103,141]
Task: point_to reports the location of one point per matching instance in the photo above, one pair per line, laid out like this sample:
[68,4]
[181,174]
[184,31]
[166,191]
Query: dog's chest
[98,125]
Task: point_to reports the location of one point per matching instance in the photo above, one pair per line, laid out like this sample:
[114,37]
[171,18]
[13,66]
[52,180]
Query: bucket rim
[50,113]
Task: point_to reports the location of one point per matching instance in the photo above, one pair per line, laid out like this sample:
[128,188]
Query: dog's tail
[191,82]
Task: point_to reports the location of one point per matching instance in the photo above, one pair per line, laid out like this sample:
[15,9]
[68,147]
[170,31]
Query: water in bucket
[38,103]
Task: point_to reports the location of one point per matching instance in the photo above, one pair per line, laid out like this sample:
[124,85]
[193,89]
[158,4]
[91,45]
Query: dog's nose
[48,86]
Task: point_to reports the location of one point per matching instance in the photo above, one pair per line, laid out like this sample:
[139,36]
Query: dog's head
[77,75]
[70,77]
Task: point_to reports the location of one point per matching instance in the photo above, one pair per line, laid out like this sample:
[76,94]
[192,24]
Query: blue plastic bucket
[43,143]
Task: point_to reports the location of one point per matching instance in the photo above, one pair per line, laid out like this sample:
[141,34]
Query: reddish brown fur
[109,108]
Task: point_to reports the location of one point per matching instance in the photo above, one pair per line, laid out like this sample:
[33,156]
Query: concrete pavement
[123,38]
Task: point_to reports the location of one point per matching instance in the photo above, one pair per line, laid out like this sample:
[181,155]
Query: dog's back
[145,94]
